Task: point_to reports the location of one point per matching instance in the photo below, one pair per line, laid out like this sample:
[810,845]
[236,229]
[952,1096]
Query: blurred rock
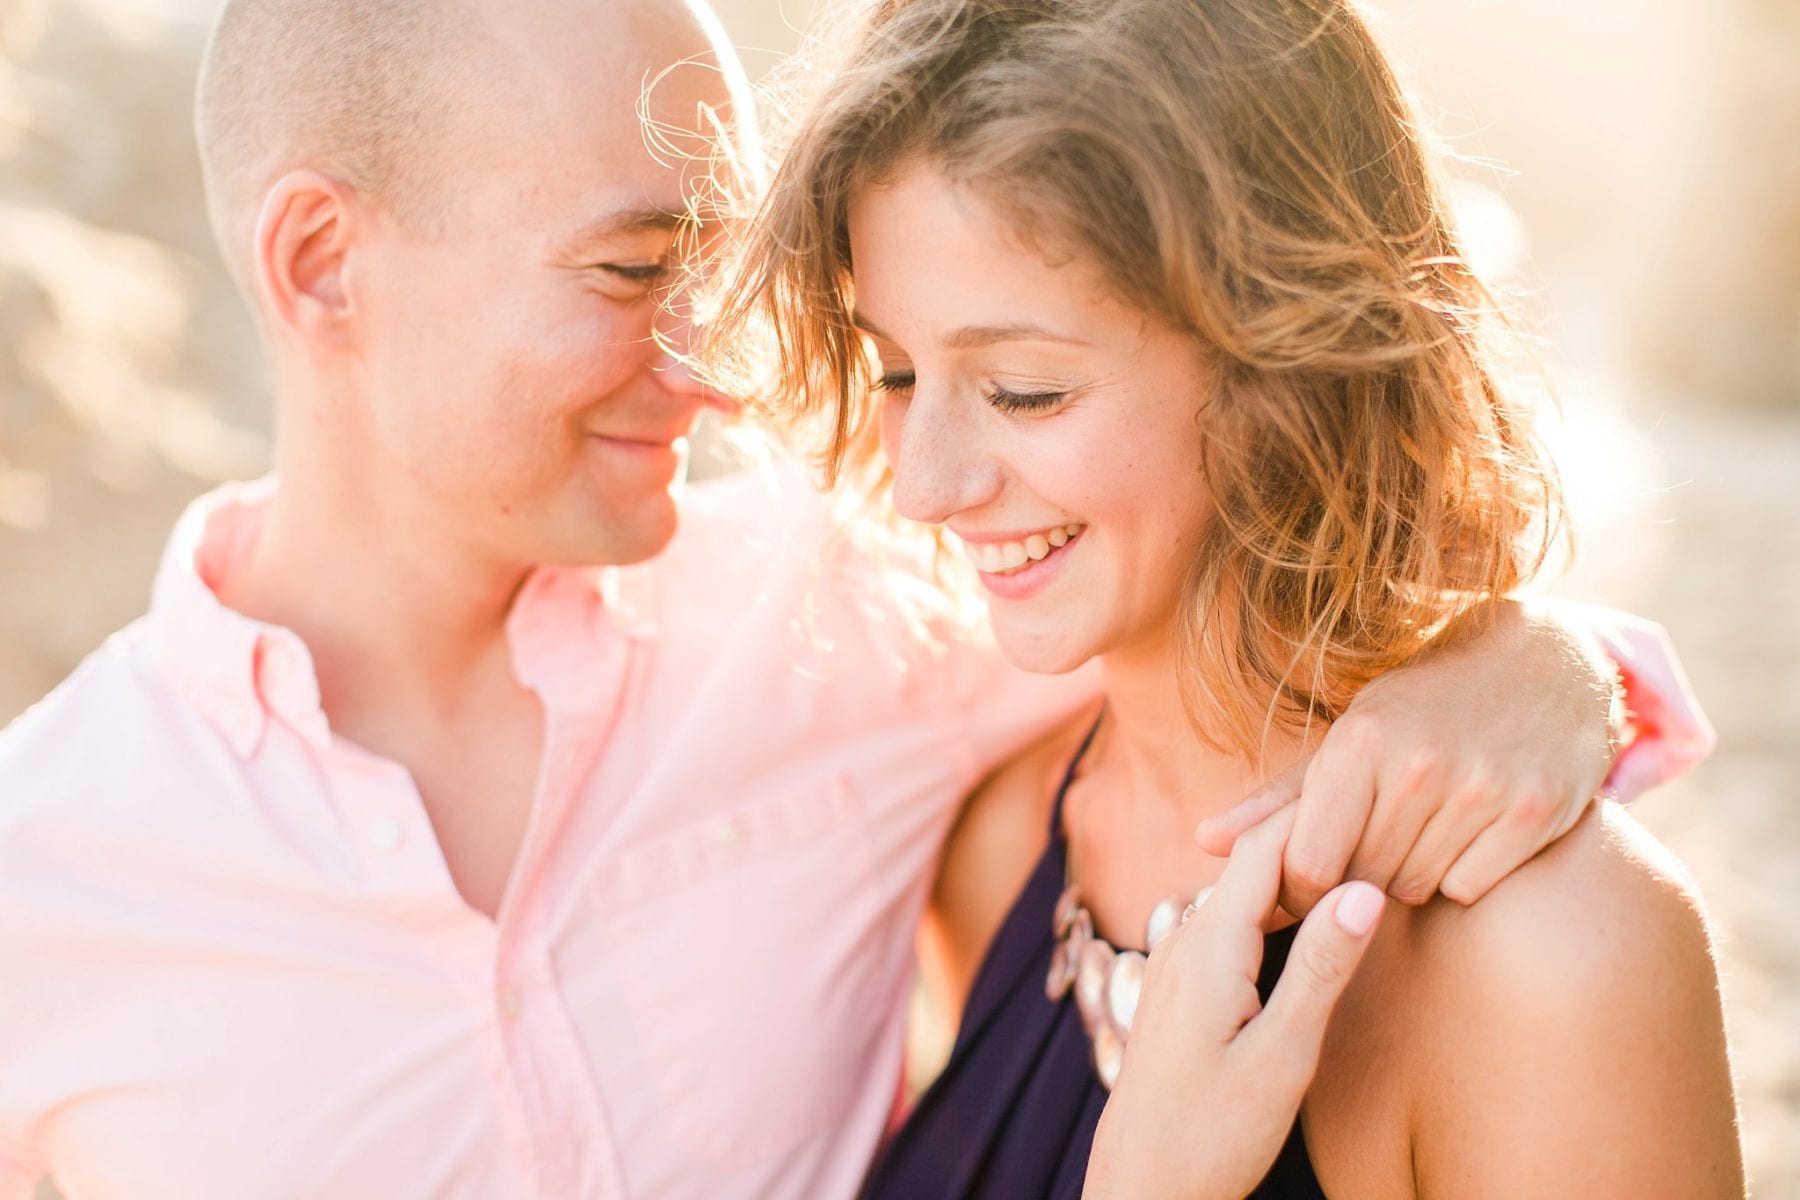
[128,370]
[1726,327]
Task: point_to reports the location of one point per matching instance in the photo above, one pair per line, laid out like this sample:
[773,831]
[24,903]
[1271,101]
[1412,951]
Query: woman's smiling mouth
[1005,557]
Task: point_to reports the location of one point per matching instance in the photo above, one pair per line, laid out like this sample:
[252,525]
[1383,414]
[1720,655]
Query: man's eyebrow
[628,221]
[973,337]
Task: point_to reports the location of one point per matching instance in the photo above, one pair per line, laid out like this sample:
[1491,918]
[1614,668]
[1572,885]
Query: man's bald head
[462,224]
[363,91]
[392,96]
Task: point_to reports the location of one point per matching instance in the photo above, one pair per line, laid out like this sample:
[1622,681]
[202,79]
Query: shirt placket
[543,1086]
[567,649]
[562,1135]
[501,972]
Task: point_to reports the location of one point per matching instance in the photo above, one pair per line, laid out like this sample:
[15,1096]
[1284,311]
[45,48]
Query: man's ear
[303,240]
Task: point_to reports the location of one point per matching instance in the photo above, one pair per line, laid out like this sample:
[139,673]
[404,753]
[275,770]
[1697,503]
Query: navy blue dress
[1012,1116]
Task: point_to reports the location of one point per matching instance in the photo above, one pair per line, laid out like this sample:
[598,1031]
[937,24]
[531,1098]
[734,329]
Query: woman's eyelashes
[1010,401]
[1004,399]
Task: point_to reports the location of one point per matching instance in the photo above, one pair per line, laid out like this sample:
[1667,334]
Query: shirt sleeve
[1666,731]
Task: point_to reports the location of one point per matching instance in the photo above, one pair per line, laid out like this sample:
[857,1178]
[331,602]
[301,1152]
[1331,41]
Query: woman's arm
[1571,1040]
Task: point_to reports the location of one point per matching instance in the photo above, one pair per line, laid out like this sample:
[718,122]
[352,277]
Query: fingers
[1217,955]
[1218,834]
[1530,822]
[1407,800]
[1463,816]
[1326,952]
[1336,797]
[1244,897]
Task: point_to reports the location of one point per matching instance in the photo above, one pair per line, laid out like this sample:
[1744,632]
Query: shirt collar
[239,672]
[567,629]
[236,671]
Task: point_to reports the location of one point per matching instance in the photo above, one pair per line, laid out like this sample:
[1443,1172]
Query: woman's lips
[1027,577]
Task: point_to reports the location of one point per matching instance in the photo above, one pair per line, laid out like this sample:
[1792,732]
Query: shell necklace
[1107,982]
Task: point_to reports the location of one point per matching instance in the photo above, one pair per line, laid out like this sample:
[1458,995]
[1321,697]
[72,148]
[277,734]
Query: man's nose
[940,462]
[674,365]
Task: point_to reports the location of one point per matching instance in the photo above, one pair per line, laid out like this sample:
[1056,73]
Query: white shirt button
[386,835]
[727,833]
[511,1002]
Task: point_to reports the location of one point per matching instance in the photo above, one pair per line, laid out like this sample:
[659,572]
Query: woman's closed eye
[1010,401]
[1004,399]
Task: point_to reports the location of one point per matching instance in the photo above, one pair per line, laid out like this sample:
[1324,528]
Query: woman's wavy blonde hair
[1250,172]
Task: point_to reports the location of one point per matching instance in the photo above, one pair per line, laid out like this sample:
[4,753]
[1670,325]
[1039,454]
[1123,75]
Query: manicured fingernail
[1359,908]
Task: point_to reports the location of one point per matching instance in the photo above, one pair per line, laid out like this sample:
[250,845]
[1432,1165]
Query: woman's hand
[1448,774]
[1212,1080]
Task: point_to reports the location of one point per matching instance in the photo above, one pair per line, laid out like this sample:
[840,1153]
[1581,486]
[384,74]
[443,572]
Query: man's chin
[623,542]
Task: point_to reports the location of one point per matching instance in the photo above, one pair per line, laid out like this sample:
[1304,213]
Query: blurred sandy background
[1649,198]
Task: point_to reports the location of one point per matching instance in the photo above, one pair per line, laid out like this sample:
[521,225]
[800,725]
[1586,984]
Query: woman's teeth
[1002,558]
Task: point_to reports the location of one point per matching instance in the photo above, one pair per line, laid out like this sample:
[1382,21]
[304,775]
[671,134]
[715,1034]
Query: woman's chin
[1040,652]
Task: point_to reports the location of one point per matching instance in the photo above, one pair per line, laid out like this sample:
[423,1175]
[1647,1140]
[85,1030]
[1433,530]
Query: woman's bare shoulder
[1606,898]
[1565,1033]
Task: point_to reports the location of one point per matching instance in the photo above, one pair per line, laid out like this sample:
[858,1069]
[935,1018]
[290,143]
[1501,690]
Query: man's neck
[405,616]
[401,624]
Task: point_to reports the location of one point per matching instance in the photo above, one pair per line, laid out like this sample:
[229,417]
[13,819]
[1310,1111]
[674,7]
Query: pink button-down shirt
[233,964]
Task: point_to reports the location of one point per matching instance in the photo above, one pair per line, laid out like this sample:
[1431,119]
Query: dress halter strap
[1068,778]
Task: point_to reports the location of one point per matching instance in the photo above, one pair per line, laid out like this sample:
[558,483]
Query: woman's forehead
[934,258]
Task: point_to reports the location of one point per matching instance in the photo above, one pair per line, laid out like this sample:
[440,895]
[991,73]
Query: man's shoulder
[768,490]
[767,539]
[775,508]
[85,732]
[760,524]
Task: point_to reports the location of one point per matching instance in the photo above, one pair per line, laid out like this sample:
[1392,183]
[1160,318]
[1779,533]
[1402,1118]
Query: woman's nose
[940,462]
